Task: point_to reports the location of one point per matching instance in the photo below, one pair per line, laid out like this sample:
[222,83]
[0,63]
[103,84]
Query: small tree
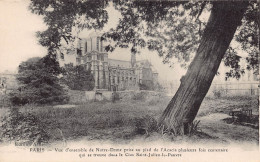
[77,78]
[39,83]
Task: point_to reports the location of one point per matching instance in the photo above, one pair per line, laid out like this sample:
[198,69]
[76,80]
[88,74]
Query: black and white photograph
[129,80]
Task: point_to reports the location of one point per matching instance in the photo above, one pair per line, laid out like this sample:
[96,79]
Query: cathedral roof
[120,63]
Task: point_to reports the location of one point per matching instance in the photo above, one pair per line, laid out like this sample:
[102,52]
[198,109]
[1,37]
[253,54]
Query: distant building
[247,84]
[109,74]
[8,82]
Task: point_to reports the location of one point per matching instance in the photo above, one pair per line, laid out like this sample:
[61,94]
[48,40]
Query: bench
[241,113]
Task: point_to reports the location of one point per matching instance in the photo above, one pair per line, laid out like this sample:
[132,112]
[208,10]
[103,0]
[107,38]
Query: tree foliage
[248,36]
[175,29]
[62,16]
[164,27]
[77,78]
[39,83]
[172,28]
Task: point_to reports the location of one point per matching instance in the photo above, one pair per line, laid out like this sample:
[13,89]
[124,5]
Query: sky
[18,29]
[18,42]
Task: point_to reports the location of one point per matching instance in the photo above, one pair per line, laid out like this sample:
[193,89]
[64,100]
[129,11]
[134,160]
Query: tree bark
[181,111]
[258,24]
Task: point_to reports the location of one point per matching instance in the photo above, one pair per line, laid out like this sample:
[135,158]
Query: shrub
[145,125]
[18,98]
[78,78]
[146,86]
[23,127]
[39,83]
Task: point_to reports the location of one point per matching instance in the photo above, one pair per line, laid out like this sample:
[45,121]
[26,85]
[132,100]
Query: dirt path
[214,125]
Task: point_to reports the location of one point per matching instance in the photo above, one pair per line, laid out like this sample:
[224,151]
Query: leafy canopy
[172,28]
[77,78]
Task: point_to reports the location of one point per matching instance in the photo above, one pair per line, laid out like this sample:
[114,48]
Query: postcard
[129,80]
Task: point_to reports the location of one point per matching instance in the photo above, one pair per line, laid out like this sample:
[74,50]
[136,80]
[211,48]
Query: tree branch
[201,9]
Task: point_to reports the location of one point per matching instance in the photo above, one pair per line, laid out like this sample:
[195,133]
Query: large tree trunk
[222,24]
[258,23]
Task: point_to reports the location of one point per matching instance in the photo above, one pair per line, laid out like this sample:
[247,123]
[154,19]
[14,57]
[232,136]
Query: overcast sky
[18,42]
[17,34]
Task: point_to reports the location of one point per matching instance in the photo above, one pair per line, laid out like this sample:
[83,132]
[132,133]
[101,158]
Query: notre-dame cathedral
[110,74]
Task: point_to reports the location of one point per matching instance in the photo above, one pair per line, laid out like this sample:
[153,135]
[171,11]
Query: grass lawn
[118,122]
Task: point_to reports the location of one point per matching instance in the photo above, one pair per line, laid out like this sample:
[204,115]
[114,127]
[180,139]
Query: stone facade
[110,74]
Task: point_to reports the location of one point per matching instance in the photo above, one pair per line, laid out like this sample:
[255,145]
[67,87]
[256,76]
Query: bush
[23,127]
[145,125]
[18,98]
[77,78]
[39,83]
